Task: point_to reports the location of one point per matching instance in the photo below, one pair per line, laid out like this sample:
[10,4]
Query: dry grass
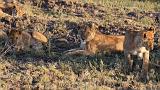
[38,70]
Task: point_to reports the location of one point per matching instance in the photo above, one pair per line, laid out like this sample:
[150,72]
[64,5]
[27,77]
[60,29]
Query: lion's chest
[139,51]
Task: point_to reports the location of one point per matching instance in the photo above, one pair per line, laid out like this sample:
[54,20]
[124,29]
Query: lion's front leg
[145,64]
[91,49]
[128,64]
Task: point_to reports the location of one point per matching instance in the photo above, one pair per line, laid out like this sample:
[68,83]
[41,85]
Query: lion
[94,42]
[138,43]
[23,40]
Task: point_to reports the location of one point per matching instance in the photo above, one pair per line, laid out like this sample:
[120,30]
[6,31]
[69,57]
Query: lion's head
[15,36]
[15,39]
[148,37]
[143,38]
[88,32]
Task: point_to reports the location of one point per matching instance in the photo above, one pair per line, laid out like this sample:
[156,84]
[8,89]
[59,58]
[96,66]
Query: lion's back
[110,42]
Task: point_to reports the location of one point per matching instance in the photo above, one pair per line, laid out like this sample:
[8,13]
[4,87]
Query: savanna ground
[49,68]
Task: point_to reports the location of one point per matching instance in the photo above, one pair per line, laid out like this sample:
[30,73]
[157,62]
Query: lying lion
[95,41]
[23,40]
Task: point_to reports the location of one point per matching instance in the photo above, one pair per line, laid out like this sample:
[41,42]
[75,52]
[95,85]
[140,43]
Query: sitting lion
[94,42]
[138,43]
[23,40]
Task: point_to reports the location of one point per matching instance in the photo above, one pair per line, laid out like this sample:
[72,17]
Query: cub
[138,43]
[94,42]
[23,40]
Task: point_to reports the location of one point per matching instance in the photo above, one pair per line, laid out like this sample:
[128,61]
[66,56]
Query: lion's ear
[144,35]
[152,29]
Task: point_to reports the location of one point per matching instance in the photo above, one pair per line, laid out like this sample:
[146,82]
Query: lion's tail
[76,52]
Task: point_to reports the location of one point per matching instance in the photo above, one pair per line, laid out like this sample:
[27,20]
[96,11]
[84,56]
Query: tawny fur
[138,43]
[23,40]
[39,36]
[96,42]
